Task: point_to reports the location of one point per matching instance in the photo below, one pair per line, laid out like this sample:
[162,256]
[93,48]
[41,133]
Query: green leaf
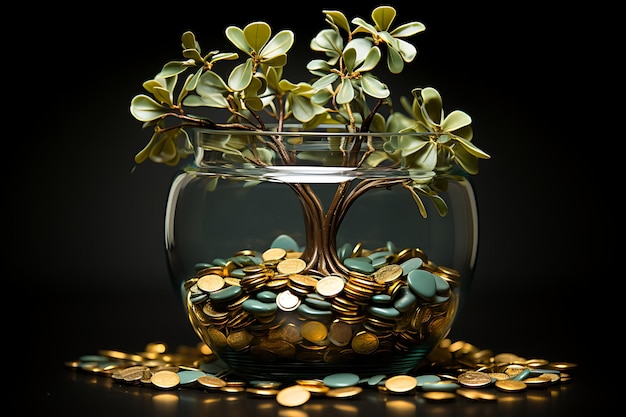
[407,51]
[383,17]
[279,45]
[193,54]
[373,87]
[241,76]
[346,92]
[189,41]
[418,201]
[440,205]
[257,34]
[455,120]
[215,100]
[338,18]
[408,29]
[471,148]
[236,36]
[395,63]
[145,109]
[431,104]
[172,68]
[371,60]
[276,61]
[364,26]
[349,59]
[326,80]
[466,160]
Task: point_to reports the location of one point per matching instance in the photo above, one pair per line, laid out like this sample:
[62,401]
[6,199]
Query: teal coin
[317,303]
[227,293]
[383,312]
[266,296]
[189,376]
[422,283]
[340,380]
[362,265]
[426,379]
[381,299]
[411,264]
[285,242]
[441,284]
[441,386]
[405,299]
[313,313]
[259,308]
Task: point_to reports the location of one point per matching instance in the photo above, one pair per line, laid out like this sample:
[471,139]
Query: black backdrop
[86,236]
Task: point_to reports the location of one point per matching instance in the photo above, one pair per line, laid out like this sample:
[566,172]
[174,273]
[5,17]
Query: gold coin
[340,333]
[510,385]
[210,283]
[165,379]
[474,379]
[401,383]
[330,285]
[314,331]
[273,254]
[388,273]
[344,392]
[293,396]
[210,381]
[365,343]
[291,266]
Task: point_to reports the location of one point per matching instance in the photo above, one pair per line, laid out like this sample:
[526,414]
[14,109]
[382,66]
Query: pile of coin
[267,306]
[463,371]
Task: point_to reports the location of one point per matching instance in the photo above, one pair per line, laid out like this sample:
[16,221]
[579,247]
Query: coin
[330,285]
[510,385]
[474,379]
[293,396]
[401,383]
[165,379]
[365,342]
[291,266]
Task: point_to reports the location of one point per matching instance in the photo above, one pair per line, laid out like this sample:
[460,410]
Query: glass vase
[305,253]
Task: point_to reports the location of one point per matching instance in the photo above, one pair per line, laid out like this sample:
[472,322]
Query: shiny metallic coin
[314,331]
[273,254]
[510,385]
[291,266]
[210,283]
[165,379]
[388,273]
[287,301]
[401,383]
[210,381]
[364,343]
[293,396]
[474,379]
[330,285]
[344,392]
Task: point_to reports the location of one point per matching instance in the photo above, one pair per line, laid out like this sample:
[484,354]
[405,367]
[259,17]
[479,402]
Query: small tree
[344,92]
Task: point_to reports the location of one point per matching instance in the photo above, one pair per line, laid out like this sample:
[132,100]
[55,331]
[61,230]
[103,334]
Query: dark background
[87,235]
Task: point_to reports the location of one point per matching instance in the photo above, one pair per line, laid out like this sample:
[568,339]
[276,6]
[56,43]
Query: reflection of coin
[474,379]
[314,331]
[340,333]
[365,343]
